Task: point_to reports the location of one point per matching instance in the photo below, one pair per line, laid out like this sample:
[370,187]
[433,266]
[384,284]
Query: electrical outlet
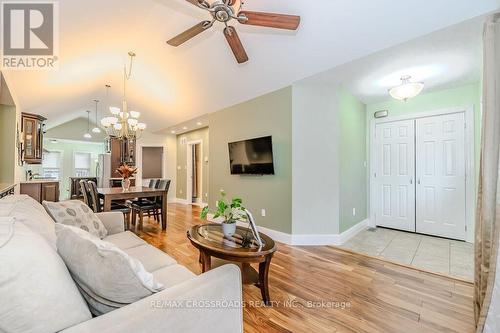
[354,212]
[263,212]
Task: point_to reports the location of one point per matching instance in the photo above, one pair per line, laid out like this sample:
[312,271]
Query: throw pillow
[37,291]
[29,212]
[77,214]
[107,277]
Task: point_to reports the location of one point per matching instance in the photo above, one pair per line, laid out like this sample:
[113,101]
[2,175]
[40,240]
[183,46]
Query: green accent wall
[74,130]
[182,140]
[352,169]
[7,143]
[269,114]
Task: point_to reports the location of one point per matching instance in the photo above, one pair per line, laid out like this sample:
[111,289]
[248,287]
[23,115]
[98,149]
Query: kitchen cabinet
[32,128]
[122,152]
[41,190]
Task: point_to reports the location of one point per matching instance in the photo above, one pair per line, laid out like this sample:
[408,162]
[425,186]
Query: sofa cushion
[77,214]
[150,257]
[172,275]
[125,240]
[37,291]
[28,211]
[102,270]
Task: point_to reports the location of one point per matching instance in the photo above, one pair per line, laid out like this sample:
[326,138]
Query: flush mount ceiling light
[407,89]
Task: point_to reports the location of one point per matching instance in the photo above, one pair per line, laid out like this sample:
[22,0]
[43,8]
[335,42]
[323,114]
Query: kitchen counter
[6,189]
[40,181]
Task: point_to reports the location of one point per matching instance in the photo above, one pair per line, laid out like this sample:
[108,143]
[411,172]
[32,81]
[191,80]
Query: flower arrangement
[126,172]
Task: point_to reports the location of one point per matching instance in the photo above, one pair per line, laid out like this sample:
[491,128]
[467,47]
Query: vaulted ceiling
[170,85]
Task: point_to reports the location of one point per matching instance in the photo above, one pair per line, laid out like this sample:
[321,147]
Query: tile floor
[429,253]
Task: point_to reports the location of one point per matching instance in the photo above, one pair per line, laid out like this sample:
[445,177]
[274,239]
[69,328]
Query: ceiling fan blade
[235,43]
[190,33]
[280,21]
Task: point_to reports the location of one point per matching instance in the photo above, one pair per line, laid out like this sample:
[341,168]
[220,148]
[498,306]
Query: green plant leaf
[204,213]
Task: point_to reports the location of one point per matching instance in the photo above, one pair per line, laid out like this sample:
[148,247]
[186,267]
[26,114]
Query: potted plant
[230,212]
[126,172]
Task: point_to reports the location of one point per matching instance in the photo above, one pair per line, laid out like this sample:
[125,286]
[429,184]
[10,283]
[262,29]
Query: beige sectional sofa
[37,293]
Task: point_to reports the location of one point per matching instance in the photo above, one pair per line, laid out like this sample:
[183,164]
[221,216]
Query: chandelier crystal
[124,123]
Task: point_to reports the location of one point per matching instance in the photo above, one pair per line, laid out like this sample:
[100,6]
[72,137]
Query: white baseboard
[353,231]
[186,202]
[306,239]
[181,201]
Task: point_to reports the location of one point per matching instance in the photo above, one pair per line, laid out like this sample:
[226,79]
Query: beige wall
[7,143]
[270,114]
[182,141]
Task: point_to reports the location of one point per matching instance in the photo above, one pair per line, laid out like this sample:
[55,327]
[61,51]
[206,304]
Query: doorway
[420,168]
[194,172]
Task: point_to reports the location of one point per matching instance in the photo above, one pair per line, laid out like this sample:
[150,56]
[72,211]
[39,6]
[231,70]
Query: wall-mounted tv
[252,157]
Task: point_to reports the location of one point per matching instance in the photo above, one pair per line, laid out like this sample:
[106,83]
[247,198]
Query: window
[51,164]
[82,164]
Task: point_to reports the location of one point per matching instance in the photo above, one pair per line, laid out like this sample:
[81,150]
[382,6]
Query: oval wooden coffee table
[210,241]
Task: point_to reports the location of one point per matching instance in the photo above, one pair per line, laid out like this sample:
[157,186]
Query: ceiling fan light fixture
[406,89]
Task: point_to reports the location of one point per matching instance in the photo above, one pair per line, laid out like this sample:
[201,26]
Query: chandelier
[124,124]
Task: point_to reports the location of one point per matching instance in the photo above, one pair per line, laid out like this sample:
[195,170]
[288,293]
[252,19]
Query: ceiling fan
[227,10]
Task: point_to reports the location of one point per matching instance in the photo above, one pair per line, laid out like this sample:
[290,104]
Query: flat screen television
[252,157]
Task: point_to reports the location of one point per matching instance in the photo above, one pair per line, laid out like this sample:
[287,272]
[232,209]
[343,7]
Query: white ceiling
[171,85]
[444,59]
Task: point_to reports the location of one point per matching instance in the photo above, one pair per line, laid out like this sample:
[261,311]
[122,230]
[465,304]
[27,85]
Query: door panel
[440,170]
[394,173]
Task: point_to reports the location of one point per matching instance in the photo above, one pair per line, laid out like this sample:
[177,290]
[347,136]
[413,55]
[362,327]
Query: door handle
[418,182]
[411,181]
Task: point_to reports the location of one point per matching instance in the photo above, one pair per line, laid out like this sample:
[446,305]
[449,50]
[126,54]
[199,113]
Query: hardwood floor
[359,294]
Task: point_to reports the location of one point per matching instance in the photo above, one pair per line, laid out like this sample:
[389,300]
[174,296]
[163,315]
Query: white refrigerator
[103,170]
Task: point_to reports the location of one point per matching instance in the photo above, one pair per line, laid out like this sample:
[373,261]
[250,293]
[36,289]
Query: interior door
[394,175]
[440,170]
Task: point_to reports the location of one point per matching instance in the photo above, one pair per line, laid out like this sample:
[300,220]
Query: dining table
[110,194]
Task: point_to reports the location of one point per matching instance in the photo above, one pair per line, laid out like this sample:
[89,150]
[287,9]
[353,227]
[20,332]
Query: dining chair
[154,206]
[97,205]
[85,192]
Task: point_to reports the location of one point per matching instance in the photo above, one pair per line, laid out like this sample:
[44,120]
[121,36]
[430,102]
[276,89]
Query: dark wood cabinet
[41,190]
[32,137]
[122,152]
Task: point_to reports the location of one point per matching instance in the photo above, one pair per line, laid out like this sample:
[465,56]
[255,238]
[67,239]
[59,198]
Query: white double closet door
[420,175]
